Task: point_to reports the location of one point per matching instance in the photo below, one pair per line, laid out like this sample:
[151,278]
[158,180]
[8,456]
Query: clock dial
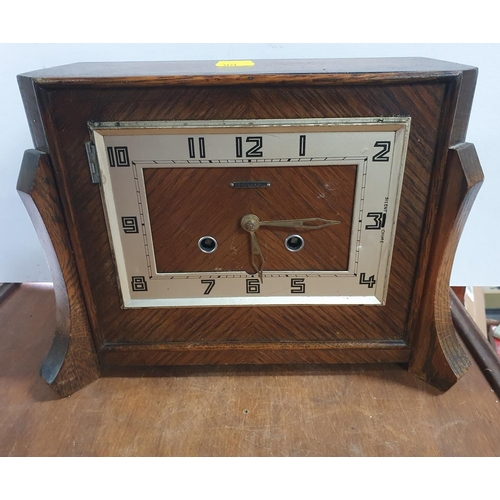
[261,212]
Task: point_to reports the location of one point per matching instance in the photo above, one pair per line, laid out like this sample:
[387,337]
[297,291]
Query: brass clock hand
[313,223]
[256,253]
[250,223]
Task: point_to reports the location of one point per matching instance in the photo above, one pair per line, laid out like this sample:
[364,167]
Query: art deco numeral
[298,285]
[302,145]
[385,147]
[129,225]
[139,284]
[210,283]
[239,147]
[118,156]
[255,151]
[253,286]
[378,220]
[370,281]
[252,152]
[192,149]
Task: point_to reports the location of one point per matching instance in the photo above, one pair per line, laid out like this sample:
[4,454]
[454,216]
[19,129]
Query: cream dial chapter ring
[168,195]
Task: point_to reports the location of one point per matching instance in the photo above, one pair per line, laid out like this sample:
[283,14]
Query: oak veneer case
[63,182]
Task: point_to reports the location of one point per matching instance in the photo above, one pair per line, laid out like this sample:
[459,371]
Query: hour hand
[257,256]
[250,223]
[313,223]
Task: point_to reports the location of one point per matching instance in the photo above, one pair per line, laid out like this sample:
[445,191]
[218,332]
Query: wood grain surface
[436,338]
[72,360]
[369,410]
[268,71]
[437,96]
[70,110]
[189,203]
[484,353]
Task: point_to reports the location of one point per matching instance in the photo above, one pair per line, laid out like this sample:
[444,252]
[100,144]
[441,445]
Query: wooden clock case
[442,177]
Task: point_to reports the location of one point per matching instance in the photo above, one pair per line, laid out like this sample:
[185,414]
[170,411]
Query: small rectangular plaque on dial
[250,184]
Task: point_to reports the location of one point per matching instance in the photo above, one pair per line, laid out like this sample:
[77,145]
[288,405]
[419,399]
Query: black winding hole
[294,243]
[207,244]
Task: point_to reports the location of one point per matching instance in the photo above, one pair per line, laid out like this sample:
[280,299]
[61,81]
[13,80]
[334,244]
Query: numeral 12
[254,151]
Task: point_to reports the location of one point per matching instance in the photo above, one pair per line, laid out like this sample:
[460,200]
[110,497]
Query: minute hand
[314,223]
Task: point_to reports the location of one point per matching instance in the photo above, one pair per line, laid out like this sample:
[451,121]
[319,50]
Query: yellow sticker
[229,64]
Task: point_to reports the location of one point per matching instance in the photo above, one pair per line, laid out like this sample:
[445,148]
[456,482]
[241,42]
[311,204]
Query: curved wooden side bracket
[436,353]
[72,361]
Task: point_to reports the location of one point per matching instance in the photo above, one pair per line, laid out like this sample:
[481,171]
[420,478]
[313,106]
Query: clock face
[260,212]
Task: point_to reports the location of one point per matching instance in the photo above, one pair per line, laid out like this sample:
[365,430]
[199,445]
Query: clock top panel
[153,73]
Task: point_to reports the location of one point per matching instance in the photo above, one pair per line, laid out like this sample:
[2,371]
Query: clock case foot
[72,361]
[437,355]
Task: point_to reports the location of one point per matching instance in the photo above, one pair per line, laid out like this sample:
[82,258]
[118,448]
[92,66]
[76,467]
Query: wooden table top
[370,410]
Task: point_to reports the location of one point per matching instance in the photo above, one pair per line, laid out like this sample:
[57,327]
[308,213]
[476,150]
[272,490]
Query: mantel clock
[267,212]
